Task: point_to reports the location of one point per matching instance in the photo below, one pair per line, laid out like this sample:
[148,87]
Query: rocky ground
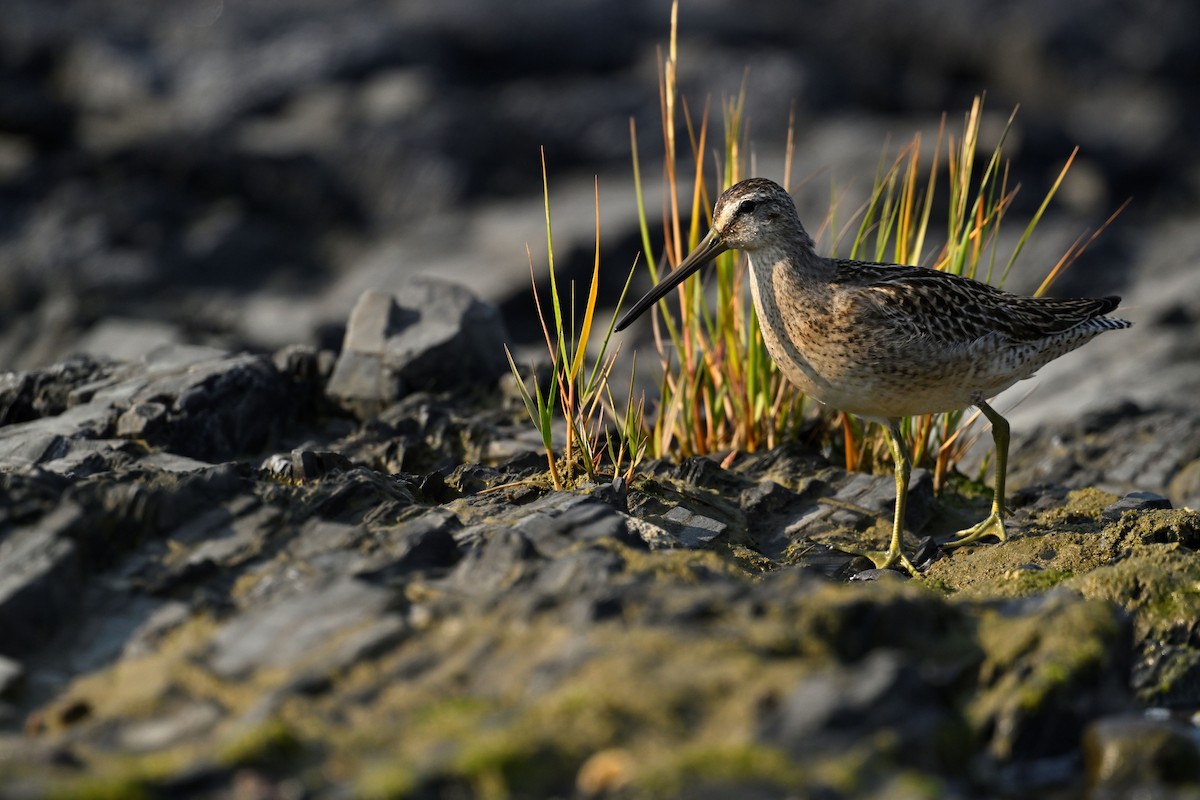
[272,521]
[237,575]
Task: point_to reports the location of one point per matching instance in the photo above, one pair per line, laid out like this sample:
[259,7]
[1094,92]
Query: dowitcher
[886,341]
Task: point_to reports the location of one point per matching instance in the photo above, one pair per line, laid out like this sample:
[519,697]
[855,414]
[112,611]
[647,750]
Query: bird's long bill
[709,248]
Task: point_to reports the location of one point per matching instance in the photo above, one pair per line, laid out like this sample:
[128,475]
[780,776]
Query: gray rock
[500,561]
[143,421]
[66,438]
[353,591]
[430,335]
[1026,639]
[319,536]
[879,575]
[359,492]
[12,675]
[1132,756]
[562,520]
[305,465]
[426,542]
[149,634]
[40,575]
[195,402]
[169,462]
[1124,448]
[691,529]
[48,392]
[766,497]
[654,536]
[216,405]
[314,623]
[788,500]
[882,692]
[1134,501]
[380,553]
[221,538]
[860,497]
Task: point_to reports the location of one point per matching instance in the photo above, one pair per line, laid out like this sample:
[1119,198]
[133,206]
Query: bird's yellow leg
[994,524]
[884,559]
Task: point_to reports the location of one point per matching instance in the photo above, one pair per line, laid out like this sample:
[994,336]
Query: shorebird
[886,341]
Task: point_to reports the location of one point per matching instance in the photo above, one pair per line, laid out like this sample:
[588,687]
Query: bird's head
[750,215]
[750,212]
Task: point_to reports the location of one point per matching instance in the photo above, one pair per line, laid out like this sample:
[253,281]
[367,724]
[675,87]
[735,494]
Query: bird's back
[952,309]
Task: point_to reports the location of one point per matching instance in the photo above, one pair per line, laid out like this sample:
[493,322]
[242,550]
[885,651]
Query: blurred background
[236,172]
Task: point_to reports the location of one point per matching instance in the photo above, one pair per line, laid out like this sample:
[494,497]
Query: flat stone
[858,501]
[766,497]
[54,438]
[320,536]
[1134,501]
[561,520]
[303,626]
[692,529]
[145,638]
[170,462]
[878,575]
[351,495]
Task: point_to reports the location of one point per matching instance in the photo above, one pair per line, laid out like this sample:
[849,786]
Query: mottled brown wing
[926,303]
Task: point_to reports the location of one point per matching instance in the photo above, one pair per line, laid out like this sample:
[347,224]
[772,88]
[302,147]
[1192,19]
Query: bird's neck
[790,262]
[793,298]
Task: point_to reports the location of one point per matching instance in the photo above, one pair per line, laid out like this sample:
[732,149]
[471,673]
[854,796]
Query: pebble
[1134,501]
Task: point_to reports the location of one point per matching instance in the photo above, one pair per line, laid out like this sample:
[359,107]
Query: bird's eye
[747,206]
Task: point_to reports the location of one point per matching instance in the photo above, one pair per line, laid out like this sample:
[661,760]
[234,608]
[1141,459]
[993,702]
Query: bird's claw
[886,559]
[992,526]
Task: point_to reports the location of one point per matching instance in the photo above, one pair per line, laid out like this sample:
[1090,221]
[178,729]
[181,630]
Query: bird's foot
[886,559]
[992,526]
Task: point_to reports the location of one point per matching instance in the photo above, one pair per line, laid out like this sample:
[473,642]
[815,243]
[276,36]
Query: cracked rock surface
[213,577]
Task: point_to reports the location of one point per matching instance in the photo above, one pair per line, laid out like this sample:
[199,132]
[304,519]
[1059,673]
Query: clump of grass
[581,393]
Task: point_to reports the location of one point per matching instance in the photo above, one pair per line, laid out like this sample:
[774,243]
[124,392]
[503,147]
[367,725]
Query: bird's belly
[876,382]
[881,400]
